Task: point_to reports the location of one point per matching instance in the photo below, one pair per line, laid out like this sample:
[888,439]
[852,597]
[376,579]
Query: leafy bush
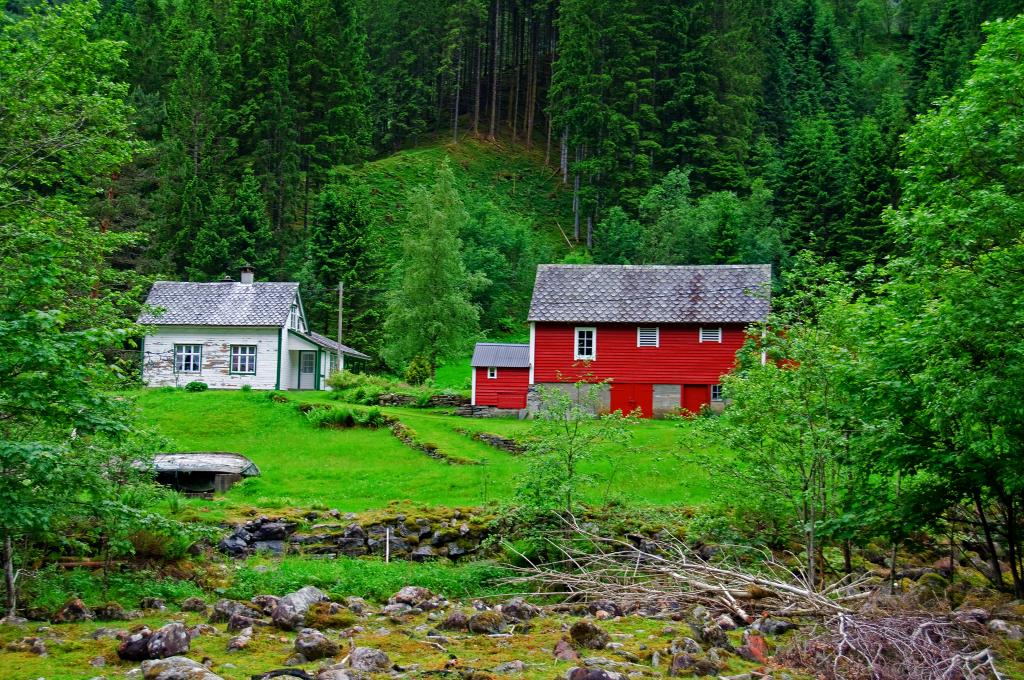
[247,388]
[327,416]
[196,386]
[371,417]
[419,371]
[363,388]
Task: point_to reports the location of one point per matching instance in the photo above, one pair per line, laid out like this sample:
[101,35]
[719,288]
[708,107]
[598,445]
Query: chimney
[248,273]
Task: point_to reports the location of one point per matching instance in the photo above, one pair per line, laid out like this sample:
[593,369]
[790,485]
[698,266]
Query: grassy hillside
[357,469]
[515,180]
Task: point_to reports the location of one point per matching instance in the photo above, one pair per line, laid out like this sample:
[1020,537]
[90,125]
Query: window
[243,358]
[716,393]
[188,358]
[710,334]
[492,372]
[647,337]
[586,343]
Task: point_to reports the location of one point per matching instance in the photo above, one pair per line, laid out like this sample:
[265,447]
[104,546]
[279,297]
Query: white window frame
[180,353]
[657,336]
[236,357]
[492,372]
[716,393]
[576,343]
[716,329]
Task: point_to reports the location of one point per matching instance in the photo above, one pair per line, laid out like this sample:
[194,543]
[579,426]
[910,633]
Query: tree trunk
[455,103]
[892,568]
[1011,542]
[476,94]
[494,70]
[12,593]
[993,556]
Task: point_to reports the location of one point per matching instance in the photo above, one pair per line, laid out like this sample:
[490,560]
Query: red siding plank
[680,357]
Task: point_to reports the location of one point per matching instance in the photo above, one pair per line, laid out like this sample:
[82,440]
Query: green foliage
[342,248]
[567,433]
[372,579]
[49,588]
[429,311]
[196,386]
[418,371]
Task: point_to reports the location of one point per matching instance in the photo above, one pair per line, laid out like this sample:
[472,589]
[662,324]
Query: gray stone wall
[666,400]
[533,400]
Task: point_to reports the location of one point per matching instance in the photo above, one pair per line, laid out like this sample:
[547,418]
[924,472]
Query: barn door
[627,397]
[695,397]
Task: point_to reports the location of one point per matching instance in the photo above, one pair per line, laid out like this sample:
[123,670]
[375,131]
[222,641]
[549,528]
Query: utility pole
[341,299]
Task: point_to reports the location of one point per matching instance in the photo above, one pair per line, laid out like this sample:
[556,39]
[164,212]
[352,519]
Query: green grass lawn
[358,469]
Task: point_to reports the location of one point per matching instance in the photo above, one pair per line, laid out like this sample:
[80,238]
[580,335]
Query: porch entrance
[307,370]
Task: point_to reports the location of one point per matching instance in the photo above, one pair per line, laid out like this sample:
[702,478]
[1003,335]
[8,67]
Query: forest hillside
[702,132]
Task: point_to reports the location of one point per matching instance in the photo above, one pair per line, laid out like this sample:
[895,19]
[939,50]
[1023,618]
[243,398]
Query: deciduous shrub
[419,371]
[196,386]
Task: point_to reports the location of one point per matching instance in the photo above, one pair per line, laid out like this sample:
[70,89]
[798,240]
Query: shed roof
[205,461]
[333,345]
[501,355]
[651,293]
[224,303]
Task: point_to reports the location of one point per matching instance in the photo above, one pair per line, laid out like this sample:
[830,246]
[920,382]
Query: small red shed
[501,375]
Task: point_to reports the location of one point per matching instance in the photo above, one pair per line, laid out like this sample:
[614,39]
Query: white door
[307,370]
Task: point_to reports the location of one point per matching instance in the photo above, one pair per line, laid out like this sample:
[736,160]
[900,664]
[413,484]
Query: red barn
[501,375]
[662,336]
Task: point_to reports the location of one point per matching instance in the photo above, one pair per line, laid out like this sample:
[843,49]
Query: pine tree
[196,141]
[341,248]
[871,187]
[429,311]
[256,246]
[813,185]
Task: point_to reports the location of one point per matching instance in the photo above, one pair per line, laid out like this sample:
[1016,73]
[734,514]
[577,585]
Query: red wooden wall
[679,359]
[508,390]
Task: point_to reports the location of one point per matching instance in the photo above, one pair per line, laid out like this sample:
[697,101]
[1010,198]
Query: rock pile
[415,539]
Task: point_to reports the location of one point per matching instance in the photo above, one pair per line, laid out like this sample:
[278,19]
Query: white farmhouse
[228,334]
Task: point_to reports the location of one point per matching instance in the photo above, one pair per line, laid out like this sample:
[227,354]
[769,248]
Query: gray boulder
[1008,630]
[519,609]
[414,596]
[223,610]
[369,660]
[290,612]
[312,644]
[170,640]
[194,604]
[135,647]
[176,668]
[585,635]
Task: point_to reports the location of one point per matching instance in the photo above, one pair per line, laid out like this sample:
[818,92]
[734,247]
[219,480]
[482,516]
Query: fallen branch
[669,573]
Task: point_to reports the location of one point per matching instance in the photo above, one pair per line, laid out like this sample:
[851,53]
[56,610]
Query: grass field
[358,469]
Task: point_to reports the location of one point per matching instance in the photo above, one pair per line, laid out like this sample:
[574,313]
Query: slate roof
[222,303]
[333,345]
[501,355]
[651,293]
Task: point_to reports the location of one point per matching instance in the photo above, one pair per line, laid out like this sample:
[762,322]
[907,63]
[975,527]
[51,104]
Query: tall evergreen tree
[429,313]
[341,248]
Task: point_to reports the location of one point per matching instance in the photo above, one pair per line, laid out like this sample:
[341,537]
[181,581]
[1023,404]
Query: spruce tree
[341,247]
[429,312]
